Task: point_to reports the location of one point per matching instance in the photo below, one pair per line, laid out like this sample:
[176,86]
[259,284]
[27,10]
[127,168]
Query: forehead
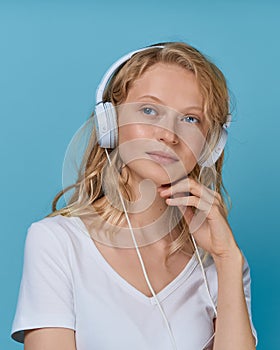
[172,84]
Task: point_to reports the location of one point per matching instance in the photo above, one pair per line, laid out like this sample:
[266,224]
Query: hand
[208,223]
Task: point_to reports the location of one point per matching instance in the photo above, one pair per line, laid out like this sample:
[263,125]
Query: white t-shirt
[67,283]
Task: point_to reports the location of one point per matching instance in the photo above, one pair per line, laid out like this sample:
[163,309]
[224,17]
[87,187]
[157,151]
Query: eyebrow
[162,103]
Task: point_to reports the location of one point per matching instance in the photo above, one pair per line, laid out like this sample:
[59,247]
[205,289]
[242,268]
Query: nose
[167,134]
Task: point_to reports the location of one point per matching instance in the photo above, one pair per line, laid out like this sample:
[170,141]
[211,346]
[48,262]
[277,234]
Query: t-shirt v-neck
[161,295]
[67,283]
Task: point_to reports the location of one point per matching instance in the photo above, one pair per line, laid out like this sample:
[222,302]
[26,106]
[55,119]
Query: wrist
[233,258]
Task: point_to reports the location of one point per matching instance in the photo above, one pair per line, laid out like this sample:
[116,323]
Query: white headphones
[107,135]
[106,116]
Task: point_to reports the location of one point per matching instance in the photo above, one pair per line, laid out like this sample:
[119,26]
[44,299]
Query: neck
[150,217]
[147,206]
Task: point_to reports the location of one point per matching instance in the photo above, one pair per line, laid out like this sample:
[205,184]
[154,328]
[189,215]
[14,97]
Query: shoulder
[52,222]
[52,233]
[56,225]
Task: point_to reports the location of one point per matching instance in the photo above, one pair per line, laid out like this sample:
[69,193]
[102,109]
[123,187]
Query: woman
[142,255]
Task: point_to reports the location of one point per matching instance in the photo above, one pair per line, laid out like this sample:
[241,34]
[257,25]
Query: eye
[190,119]
[149,111]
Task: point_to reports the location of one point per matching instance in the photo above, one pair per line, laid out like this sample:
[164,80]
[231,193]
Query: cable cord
[206,285]
[174,346]
[203,275]
[143,266]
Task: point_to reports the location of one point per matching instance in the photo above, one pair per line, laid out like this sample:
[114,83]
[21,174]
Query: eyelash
[150,108]
[191,116]
[155,114]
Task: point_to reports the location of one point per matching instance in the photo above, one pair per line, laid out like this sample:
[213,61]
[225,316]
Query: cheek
[193,145]
[133,131]
[133,142]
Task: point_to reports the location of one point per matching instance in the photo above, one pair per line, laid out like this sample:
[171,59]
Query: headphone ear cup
[217,151]
[106,125]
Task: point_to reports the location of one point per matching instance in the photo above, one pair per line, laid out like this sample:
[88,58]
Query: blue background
[53,54]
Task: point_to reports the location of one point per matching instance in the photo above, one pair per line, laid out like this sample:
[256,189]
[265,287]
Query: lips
[162,157]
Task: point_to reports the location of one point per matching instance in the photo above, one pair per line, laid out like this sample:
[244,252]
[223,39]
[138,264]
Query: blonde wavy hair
[96,177]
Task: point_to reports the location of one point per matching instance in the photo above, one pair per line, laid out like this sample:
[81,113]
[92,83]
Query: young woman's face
[162,128]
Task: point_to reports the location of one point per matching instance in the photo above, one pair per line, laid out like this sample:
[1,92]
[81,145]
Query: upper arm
[46,296]
[49,339]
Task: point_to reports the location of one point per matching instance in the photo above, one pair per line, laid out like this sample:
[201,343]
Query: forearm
[233,329]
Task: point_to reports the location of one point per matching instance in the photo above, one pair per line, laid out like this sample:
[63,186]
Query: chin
[161,176]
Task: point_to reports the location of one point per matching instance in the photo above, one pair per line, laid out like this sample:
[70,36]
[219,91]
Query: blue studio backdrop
[53,54]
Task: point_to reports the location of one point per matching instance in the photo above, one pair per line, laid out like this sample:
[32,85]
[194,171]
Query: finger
[185,185]
[189,185]
[188,214]
[194,218]
[191,201]
[197,221]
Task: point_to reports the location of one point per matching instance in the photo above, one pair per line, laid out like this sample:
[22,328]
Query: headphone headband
[106,115]
[101,87]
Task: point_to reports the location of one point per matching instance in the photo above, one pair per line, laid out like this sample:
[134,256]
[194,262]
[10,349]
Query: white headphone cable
[142,264]
[203,274]
[146,276]
[206,285]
